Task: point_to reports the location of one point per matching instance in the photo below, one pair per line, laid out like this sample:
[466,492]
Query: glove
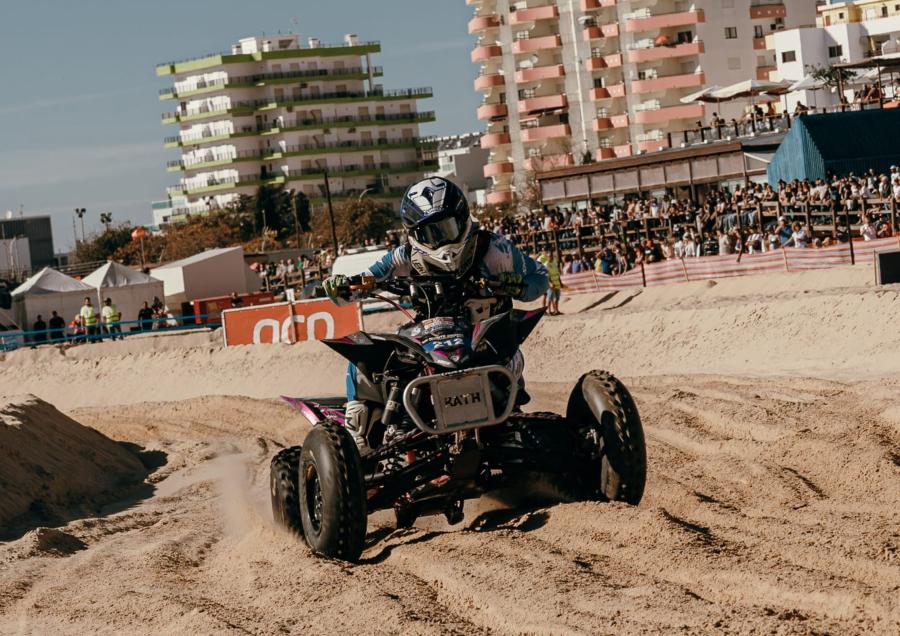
[509,284]
[333,286]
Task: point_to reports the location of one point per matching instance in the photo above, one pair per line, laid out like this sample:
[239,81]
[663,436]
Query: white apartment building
[271,111]
[462,159]
[566,81]
[844,32]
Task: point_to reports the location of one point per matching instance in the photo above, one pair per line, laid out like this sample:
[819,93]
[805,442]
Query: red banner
[709,267]
[289,323]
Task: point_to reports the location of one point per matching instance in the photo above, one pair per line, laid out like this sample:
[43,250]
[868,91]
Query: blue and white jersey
[501,257]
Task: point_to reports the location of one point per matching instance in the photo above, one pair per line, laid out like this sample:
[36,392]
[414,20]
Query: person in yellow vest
[555,289]
[111,317]
[89,320]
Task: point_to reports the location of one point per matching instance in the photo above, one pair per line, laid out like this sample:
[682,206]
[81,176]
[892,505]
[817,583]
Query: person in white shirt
[755,243]
[799,238]
[868,230]
[896,187]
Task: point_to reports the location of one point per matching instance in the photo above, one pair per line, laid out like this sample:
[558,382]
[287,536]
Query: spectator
[145,317]
[868,230]
[111,317]
[40,331]
[57,327]
[236,301]
[799,236]
[89,320]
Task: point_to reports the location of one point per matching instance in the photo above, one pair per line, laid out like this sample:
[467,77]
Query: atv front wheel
[332,494]
[284,489]
[600,407]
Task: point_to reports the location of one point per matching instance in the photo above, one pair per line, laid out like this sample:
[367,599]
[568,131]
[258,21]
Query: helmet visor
[442,232]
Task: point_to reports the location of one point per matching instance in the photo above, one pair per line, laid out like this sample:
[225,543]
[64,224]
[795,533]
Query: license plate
[464,400]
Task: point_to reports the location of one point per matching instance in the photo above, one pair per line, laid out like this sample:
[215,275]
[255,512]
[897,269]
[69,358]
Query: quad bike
[446,423]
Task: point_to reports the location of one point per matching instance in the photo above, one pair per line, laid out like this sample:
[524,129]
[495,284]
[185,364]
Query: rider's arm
[533,273]
[394,263]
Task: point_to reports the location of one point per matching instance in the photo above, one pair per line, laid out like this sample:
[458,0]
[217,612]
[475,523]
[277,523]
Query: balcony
[665,21]
[653,145]
[492,140]
[523,16]
[481,23]
[484,82]
[484,53]
[540,133]
[538,104]
[608,92]
[759,44]
[620,121]
[662,115]
[530,45]
[760,11]
[602,123]
[492,111]
[655,53]
[614,152]
[548,162]
[498,169]
[589,5]
[499,197]
[601,31]
[762,72]
[540,73]
[612,60]
[685,80]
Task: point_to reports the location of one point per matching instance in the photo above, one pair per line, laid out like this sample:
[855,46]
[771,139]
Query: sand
[772,503]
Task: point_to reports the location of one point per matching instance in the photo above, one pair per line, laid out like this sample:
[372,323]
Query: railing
[308,148]
[342,45]
[253,104]
[250,80]
[822,219]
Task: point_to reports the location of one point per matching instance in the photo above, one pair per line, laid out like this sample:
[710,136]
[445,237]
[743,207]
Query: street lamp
[79,212]
[334,240]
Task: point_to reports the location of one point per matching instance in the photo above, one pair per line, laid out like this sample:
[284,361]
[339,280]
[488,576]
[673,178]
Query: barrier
[289,322]
[709,267]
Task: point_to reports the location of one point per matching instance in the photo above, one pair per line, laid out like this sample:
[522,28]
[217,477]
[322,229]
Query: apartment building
[844,32]
[271,111]
[462,159]
[569,81]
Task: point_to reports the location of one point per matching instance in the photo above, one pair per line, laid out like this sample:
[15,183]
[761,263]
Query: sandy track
[769,508]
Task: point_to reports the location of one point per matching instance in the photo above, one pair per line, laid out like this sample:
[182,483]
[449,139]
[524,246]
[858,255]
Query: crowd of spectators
[619,236]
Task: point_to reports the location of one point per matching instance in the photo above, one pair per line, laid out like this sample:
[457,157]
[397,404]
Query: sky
[80,112]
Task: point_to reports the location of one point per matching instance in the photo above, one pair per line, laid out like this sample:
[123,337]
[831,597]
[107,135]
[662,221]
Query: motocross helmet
[442,232]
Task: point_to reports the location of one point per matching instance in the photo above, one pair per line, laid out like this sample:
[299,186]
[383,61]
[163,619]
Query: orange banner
[289,323]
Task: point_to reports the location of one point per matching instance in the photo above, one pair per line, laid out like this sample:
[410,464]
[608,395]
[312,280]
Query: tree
[356,220]
[831,76]
[101,246]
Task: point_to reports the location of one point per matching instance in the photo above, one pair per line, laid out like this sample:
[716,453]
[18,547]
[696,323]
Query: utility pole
[80,212]
[293,195]
[334,240]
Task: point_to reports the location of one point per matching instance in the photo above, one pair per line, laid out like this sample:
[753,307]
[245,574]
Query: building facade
[844,32]
[38,232]
[274,112]
[571,81]
[462,159]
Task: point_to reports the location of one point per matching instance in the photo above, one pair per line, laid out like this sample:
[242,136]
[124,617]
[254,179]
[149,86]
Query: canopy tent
[703,95]
[750,88]
[128,288]
[840,143]
[46,291]
[217,272]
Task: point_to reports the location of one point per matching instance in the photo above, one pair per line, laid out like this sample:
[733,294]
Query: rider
[443,238]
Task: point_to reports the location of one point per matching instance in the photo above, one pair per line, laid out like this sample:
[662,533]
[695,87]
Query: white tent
[703,95]
[128,288]
[212,273]
[750,88]
[46,291]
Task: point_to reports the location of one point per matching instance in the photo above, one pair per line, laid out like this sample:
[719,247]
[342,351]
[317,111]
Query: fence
[821,218]
[709,267]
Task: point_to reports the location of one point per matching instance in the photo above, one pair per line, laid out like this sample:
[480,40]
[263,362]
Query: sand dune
[772,503]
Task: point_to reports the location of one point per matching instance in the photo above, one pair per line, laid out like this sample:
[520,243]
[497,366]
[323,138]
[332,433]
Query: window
[789,56]
[758,31]
[730,33]
[835,51]
[884,11]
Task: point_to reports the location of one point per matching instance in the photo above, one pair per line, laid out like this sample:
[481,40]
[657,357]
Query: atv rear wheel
[601,407]
[332,494]
[284,489]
